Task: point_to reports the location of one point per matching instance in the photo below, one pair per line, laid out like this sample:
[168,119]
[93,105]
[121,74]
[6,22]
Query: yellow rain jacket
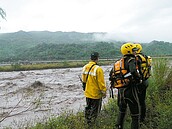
[95,85]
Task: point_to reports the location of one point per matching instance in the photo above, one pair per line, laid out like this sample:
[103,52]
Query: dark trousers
[142,97]
[93,107]
[128,97]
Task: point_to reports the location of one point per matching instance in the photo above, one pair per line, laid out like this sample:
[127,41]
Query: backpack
[119,76]
[145,65]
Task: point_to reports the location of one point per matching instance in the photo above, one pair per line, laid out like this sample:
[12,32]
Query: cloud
[141,20]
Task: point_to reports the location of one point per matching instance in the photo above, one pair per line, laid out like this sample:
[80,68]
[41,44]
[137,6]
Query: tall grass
[159,96]
[69,120]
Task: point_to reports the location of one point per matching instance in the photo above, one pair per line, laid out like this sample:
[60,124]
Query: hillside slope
[45,45]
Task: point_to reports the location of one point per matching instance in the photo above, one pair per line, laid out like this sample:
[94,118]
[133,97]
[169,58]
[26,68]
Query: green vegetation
[50,52]
[159,96]
[159,103]
[49,46]
[2,13]
[69,120]
[60,64]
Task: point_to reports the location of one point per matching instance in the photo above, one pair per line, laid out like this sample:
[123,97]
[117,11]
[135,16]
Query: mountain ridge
[46,45]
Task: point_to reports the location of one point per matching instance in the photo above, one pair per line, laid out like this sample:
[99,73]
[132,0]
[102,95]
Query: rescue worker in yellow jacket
[95,89]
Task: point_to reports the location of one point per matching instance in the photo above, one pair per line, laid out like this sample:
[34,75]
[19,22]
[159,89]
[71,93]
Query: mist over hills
[45,45]
[59,37]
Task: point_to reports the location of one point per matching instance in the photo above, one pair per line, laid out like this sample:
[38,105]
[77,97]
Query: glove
[83,86]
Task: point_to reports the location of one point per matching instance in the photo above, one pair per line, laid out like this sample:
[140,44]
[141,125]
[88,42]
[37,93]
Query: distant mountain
[158,48]
[45,45]
[37,37]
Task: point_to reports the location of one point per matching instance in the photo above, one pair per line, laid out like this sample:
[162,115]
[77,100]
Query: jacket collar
[92,62]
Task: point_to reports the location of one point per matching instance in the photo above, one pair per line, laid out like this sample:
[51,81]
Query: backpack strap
[89,72]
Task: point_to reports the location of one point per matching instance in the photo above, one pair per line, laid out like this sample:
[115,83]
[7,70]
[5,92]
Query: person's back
[95,89]
[128,95]
[94,84]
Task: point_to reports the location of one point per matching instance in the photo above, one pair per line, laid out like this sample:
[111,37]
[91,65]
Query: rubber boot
[135,124]
[88,115]
[143,114]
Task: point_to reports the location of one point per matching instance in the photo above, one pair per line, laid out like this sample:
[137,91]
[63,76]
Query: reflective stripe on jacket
[95,85]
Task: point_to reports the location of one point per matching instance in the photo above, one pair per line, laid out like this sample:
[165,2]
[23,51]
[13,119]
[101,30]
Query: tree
[2,14]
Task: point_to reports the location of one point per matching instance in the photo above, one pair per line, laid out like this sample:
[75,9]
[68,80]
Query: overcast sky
[130,20]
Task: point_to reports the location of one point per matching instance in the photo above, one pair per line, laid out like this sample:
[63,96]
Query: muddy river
[30,96]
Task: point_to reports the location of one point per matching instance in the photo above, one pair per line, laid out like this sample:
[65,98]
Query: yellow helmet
[139,47]
[128,48]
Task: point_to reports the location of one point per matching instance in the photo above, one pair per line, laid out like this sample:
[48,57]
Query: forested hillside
[44,45]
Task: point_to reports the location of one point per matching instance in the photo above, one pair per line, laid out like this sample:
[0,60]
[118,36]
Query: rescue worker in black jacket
[128,94]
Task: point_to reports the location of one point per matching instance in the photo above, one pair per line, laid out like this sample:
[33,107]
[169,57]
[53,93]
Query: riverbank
[50,65]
